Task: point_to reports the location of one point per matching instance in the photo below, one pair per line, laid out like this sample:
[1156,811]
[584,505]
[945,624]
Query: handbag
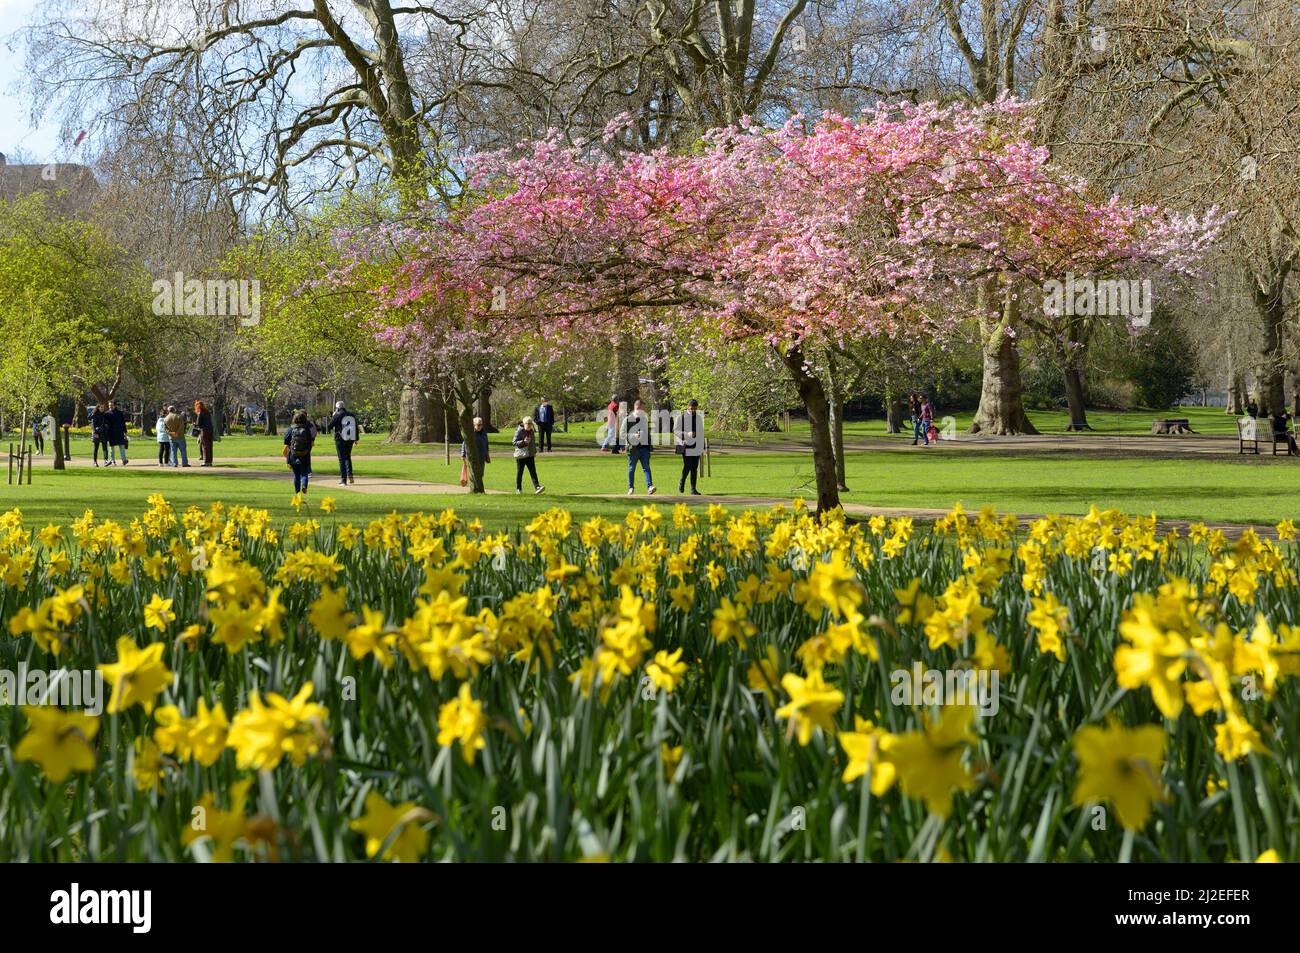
[195,431]
[464,472]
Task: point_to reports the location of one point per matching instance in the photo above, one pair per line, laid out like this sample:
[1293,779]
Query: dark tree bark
[835,405]
[626,385]
[482,408]
[271,428]
[1272,312]
[58,437]
[813,397]
[895,411]
[1074,398]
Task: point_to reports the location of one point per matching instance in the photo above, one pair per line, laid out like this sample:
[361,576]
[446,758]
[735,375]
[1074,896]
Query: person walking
[117,438]
[44,427]
[346,433]
[914,414]
[689,445]
[164,442]
[99,433]
[545,416]
[298,441]
[927,418]
[636,437]
[481,441]
[203,424]
[611,427]
[174,424]
[525,443]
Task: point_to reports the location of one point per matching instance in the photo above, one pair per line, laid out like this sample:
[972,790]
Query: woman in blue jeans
[298,440]
[637,433]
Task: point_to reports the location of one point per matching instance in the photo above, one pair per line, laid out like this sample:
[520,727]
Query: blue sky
[16,131]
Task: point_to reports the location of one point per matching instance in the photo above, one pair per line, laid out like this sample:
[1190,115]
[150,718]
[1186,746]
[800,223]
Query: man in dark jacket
[115,422]
[346,432]
[544,416]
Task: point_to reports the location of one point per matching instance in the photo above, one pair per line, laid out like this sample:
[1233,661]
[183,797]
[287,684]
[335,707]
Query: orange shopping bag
[464,472]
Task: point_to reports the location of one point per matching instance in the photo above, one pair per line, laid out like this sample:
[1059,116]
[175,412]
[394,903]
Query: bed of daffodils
[686,684]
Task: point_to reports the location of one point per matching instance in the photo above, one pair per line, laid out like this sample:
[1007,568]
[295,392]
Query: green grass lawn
[1228,489]
[582,434]
[121,493]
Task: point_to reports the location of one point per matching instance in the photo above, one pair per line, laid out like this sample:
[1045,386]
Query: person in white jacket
[688,434]
[164,441]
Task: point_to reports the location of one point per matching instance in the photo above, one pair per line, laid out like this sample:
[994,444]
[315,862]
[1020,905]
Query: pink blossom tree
[803,236]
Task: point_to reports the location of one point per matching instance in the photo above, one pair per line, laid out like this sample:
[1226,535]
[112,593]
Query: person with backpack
[545,416]
[346,432]
[164,442]
[298,440]
[99,433]
[636,437]
[689,444]
[525,444]
[174,424]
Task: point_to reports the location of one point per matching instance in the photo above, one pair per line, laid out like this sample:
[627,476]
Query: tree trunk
[813,396]
[836,408]
[1074,398]
[1236,403]
[59,463]
[626,385]
[1001,411]
[22,444]
[835,404]
[423,419]
[1272,390]
[894,411]
[482,408]
[271,429]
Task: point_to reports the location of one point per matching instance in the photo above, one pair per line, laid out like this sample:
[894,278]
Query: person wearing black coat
[544,417]
[347,431]
[99,433]
[203,423]
[116,430]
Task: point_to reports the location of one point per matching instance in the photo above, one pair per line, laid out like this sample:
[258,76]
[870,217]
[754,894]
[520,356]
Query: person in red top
[611,427]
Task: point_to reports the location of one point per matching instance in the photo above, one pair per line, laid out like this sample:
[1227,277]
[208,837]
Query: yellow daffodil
[1122,766]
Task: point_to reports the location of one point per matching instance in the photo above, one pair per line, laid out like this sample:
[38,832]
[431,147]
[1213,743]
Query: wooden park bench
[1171,425]
[1247,433]
[1248,436]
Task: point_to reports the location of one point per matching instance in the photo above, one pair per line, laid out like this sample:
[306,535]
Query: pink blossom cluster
[814,231]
